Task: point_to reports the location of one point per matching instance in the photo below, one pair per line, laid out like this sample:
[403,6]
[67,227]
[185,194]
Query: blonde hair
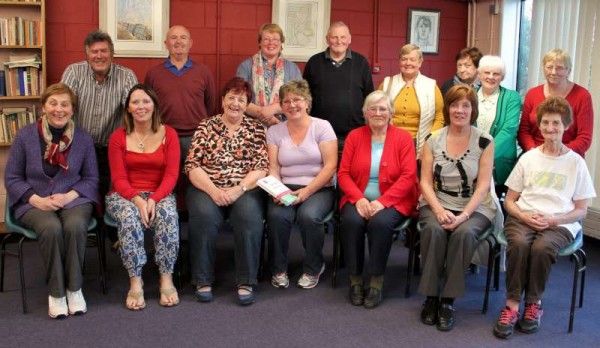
[408,48]
[560,55]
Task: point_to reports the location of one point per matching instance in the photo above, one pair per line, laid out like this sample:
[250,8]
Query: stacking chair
[402,229]
[15,229]
[577,254]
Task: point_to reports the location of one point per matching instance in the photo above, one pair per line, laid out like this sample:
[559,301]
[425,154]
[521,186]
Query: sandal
[167,292]
[204,296]
[136,295]
[247,299]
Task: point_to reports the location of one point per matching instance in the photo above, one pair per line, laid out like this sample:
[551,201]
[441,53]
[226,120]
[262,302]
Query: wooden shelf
[19,3]
[22,47]
[21,97]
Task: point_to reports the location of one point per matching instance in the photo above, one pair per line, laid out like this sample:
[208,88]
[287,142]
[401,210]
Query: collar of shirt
[172,68]
[338,64]
[493,98]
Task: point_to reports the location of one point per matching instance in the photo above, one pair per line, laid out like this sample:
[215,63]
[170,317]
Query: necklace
[140,145]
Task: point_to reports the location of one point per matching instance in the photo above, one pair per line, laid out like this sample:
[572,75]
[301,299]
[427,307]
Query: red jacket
[398,182]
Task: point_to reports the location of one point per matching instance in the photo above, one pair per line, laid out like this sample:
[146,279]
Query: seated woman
[547,197]
[144,165]
[58,210]
[378,176]
[303,155]
[456,205]
[227,156]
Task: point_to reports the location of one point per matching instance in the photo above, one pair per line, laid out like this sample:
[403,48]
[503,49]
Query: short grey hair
[489,61]
[376,97]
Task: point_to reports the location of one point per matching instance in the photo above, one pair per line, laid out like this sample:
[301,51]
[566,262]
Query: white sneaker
[280,280]
[57,307]
[76,302]
[308,281]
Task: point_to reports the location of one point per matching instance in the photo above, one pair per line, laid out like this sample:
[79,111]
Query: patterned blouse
[228,160]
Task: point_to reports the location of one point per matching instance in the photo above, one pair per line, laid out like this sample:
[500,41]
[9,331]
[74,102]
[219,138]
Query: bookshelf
[30,17]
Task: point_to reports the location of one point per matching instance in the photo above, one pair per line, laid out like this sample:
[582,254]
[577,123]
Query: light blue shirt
[372,189]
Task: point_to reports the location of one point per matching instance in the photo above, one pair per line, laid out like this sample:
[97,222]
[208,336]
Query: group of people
[407,149]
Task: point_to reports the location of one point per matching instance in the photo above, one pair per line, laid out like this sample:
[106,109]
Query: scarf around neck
[266,93]
[56,153]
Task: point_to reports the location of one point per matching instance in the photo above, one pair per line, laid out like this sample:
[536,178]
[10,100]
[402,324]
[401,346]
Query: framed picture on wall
[424,29]
[137,28]
[304,24]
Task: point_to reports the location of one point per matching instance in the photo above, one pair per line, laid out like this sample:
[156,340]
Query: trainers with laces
[308,281]
[57,307]
[280,280]
[530,322]
[506,323]
[76,302]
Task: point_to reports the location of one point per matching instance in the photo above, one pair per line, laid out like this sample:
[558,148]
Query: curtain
[573,26]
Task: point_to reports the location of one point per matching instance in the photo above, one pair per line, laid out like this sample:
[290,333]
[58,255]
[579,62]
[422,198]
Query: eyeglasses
[375,110]
[294,101]
[558,69]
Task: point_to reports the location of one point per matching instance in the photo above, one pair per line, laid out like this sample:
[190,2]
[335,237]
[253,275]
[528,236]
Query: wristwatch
[244,188]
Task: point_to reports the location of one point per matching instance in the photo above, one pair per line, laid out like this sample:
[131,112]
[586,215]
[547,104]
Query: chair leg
[574,257]
[2,262]
[101,266]
[336,256]
[497,267]
[22,275]
[490,270]
[582,269]
[411,259]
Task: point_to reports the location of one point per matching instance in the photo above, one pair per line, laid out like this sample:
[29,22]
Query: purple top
[24,170]
[300,164]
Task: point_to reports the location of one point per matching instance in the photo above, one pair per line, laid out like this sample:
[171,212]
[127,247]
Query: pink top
[132,172]
[578,137]
[300,164]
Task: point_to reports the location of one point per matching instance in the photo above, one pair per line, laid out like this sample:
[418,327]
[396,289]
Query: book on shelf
[12,119]
[2,84]
[277,189]
[19,31]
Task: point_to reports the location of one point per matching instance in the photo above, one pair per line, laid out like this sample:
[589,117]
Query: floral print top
[227,160]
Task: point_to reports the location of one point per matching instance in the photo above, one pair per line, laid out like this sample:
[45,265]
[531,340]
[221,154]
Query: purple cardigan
[24,170]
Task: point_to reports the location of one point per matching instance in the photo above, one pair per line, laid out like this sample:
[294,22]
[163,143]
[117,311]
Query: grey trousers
[447,254]
[61,236]
[530,255]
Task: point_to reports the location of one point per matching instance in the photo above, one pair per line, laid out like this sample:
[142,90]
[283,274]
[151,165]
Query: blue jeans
[309,215]
[206,219]
[379,229]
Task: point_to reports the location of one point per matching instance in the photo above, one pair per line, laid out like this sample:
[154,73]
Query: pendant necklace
[140,145]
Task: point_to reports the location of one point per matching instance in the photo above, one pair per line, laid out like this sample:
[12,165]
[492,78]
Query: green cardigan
[504,130]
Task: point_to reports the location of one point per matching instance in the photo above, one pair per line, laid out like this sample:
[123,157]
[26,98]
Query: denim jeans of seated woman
[245,216]
[309,215]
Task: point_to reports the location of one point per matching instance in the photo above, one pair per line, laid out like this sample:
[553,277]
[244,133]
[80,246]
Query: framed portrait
[305,24]
[424,29]
[137,27]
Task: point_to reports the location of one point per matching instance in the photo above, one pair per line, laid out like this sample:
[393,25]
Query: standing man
[101,87]
[185,88]
[339,81]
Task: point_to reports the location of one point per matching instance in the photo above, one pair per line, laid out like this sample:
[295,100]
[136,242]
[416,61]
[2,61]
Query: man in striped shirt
[101,87]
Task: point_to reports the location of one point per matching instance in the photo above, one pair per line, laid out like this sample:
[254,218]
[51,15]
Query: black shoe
[445,317]
[373,298]
[203,296]
[430,311]
[357,295]
[248,299]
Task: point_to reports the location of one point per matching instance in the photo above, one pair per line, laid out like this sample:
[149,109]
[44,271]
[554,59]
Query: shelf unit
[32,11]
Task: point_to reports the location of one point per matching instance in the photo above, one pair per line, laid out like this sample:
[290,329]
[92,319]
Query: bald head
[178,42]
